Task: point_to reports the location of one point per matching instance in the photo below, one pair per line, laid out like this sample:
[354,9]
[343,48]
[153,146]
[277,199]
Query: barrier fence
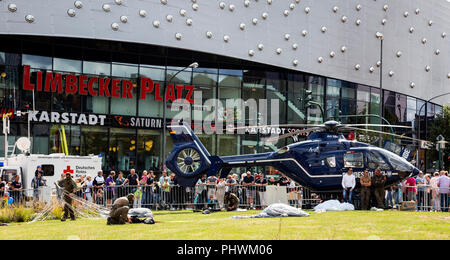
[174,197]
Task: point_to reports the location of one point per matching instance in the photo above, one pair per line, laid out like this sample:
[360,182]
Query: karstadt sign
[70,118]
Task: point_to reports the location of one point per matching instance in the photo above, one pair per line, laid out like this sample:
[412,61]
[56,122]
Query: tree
[441,126]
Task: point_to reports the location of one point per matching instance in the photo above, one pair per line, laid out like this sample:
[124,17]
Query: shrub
[6,215]
[22,214]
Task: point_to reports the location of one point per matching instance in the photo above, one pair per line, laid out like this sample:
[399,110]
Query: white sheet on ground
[277,210]
[140,213]
[333,205]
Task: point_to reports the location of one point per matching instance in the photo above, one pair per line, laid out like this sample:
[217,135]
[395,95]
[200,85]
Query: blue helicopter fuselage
[318,163]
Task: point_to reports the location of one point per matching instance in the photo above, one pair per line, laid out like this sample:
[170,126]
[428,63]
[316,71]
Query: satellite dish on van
[23,144]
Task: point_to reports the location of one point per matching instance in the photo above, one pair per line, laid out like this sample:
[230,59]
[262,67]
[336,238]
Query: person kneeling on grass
[231,201]
[119,211]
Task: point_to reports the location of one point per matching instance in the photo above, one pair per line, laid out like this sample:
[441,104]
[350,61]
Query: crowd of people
[163,191]
[430,192]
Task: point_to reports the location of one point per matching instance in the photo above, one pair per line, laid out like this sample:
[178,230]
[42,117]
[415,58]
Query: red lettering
[158,96]
[170,93]
[91,82]
[26,78]
[71,84]
[103,87]
[189,94]
[115,88]
[146,87]
[82,85]
[53,82]
[179,91]
[127,89]
[39,81]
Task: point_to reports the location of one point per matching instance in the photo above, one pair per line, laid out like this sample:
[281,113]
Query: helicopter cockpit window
[374,160]
[354,160]
[398,163]
[331,161]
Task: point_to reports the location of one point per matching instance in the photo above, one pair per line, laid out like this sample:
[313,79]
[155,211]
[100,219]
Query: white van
[53,165]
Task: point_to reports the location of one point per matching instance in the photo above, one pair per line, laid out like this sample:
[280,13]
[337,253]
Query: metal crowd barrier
[426,197]
[174,197]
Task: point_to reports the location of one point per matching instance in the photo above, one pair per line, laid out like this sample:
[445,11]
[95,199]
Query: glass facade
[124,146]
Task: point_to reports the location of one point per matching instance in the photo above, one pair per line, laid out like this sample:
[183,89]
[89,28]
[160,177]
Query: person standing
[88,188]
[120,180]
[220,193]
[98,183]
[435,200]
[420,183]
[348,184]
[444,186]
[69,189]
[366,183]
[249,182]
[37,182]
[411,189]
[132,180]
[109,183]
[378,182]
[261,184]
[16,190]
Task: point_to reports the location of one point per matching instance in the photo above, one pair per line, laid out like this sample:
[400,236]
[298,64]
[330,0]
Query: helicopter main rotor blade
[378,125]
[283,125]
[386,133]
[296,132]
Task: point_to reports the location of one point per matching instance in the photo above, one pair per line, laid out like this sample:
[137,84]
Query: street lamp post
[380,37]
[192,66]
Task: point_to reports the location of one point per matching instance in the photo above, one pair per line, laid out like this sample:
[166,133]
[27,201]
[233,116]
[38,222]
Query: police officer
[378,182]
[119,210]
[231,201]
[69,188]
[366,182]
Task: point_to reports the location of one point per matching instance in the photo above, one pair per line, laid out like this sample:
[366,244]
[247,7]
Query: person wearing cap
[39,170]
[70,187]
[119,210]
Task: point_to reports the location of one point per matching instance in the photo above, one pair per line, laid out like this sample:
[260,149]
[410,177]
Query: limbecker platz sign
[107,87]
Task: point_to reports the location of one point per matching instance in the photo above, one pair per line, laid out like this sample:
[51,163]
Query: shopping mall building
[96,70]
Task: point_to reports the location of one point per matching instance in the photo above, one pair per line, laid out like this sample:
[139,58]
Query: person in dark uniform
[366,182]
[69,188]
[119,210]
[378,182]
[231,201]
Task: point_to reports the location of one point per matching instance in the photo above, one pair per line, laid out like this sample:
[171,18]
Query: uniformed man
[69,188]
[366,182]
[231,201]
[119,210]
[378,182]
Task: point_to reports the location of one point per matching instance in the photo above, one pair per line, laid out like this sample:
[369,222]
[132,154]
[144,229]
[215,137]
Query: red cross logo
[68,170]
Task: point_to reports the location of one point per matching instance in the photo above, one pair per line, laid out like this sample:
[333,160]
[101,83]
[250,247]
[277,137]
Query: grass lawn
[186,225]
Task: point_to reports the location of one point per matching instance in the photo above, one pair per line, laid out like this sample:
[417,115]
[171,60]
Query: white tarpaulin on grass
[277,210]
[334,205]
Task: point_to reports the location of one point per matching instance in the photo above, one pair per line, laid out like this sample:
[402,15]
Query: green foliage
[441,126]
[19,214]
[57,212]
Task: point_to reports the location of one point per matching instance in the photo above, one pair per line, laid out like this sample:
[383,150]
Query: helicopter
[317,163]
